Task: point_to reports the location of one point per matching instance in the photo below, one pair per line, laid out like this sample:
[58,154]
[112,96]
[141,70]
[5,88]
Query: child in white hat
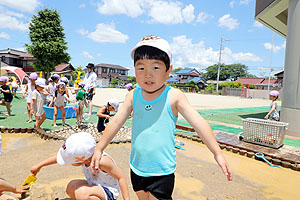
[156,107]
[77,151]
[37,102]
[104,113]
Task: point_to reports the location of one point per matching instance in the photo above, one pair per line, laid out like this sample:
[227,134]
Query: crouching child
[77,150]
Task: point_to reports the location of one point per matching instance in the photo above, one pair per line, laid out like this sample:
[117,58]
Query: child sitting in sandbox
[77,151]
[59,99]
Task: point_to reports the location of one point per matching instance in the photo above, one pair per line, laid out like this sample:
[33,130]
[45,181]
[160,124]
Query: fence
[247,93]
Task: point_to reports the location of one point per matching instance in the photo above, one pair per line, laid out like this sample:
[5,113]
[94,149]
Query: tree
[231,72]
[177,69]
[48,44]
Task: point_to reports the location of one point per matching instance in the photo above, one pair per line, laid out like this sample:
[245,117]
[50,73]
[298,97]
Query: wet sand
[197,177]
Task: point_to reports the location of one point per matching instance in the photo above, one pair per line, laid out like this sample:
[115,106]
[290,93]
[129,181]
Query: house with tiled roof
[185,76]
[65,70]
[106,72]
[261,83]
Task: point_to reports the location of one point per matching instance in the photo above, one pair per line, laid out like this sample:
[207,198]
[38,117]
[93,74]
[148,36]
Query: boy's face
[151,74]
[39,88]
[2,82]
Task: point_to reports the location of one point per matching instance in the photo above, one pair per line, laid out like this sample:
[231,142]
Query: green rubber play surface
[229,116]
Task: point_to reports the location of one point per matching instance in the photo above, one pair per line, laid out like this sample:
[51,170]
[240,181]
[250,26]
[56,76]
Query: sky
[105,31]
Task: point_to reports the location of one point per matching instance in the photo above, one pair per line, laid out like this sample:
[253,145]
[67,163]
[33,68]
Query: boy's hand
[266,117]
[22,189]
[224,166]
[96,161]
[35,169]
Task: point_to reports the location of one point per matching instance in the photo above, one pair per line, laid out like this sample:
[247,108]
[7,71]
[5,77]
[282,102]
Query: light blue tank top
[153,135]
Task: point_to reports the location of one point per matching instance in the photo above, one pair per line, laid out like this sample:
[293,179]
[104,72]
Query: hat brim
[59,158]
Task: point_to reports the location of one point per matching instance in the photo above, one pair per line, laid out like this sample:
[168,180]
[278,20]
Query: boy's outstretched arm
[203,129]
[36,168]
[111,130]
[107,165]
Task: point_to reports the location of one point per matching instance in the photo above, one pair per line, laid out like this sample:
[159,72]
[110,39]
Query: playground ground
[252,179]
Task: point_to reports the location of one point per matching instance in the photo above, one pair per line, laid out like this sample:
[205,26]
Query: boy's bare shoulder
[177,94]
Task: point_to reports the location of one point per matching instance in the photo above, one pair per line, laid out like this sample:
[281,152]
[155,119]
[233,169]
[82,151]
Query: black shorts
[89,94]
[161,187]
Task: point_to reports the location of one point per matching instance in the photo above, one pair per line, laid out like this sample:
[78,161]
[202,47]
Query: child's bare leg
[42,119]
[80,189]
[7,104]
[63,113]
[37,120]
[55,115]
[29,112]
[142,195]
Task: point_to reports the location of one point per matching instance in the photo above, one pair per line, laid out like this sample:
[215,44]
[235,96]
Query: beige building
[282,16]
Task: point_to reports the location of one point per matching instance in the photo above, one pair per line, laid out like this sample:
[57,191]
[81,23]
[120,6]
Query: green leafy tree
[132,79]
[48,44]
[114,81]
[231,72]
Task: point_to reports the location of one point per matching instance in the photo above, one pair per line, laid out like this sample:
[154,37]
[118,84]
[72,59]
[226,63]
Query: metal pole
[219,65]
[270,63]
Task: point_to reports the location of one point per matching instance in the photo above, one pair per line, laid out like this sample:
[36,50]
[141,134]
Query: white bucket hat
[76,149]
[156,42]
[114,103]
[41,82]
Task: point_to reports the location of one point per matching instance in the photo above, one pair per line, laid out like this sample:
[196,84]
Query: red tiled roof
[266,81]
[250,81]
[61,67]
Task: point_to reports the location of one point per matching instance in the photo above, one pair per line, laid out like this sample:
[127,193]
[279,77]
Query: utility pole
[270,63]
[219,65]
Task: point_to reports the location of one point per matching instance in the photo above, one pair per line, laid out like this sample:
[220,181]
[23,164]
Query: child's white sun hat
[76,149]
[41,82]
[156,42]
[114,103]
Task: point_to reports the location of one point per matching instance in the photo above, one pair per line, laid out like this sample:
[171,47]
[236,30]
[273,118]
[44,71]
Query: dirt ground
[197,176]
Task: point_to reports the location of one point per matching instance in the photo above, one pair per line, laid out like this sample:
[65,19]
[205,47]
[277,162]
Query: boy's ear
[170,68]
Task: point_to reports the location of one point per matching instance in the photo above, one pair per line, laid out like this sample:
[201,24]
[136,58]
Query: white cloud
[276,49]
[23,5]
[99,54]
[228,22]
[4,35]
[87,55]
[171,12]
[107,33]
[231,4]
[4,11]
[245,2]
[203,17]
[240,57]
[82,5]
[188,13]
[258,24]
[82,31]
[131,8]
[21,49]
[188,54]
[12,23]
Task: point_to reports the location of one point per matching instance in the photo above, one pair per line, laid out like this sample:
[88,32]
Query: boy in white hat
[104,114]
[37,102]
[77,151]
[155,109]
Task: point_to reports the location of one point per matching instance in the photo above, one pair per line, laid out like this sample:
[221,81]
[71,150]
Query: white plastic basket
[264,132]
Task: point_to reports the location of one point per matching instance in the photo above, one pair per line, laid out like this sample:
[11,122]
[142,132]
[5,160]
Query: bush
[252,86]
[210,88]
